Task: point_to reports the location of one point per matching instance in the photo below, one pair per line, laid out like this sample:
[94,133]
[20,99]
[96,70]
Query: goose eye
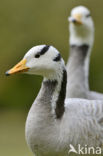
[88,15]
[37,55]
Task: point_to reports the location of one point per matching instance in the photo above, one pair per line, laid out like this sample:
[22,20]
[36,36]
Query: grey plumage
[81,123]
[77,86]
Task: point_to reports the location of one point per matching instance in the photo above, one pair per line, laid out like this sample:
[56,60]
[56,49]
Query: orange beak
[20,67]
[76,18]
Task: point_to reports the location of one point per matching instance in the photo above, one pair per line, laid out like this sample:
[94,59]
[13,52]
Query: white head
[81,26]
[40,60]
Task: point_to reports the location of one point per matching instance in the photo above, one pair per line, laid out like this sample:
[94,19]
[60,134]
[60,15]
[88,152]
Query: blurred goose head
[81,26]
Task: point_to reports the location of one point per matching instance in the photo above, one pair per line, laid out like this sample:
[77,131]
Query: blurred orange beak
[20,67]
[77,19]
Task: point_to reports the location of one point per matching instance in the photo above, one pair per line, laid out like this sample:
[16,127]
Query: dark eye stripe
[44,50]
[57,58]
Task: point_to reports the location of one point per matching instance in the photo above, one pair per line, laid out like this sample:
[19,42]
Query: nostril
[18,66]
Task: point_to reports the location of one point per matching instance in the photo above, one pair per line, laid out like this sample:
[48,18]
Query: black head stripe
[44,50]
[57,58]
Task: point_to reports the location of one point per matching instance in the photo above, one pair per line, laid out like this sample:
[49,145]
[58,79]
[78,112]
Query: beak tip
[7,73]
[72,20]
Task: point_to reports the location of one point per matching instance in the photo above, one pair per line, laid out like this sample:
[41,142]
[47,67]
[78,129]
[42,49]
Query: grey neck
[77,71]
[49,94]
[80,51]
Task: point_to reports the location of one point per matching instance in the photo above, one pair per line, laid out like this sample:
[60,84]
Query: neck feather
[52,95]
[59,110]
[77,70]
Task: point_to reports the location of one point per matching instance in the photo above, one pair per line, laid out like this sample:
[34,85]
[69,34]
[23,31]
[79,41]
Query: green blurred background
[24,24]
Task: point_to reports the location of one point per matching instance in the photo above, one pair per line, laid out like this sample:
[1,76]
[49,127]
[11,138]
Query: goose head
[81,26]
[41,60]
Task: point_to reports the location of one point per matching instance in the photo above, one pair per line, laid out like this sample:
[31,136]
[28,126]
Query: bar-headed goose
[81,40]
[53,122]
